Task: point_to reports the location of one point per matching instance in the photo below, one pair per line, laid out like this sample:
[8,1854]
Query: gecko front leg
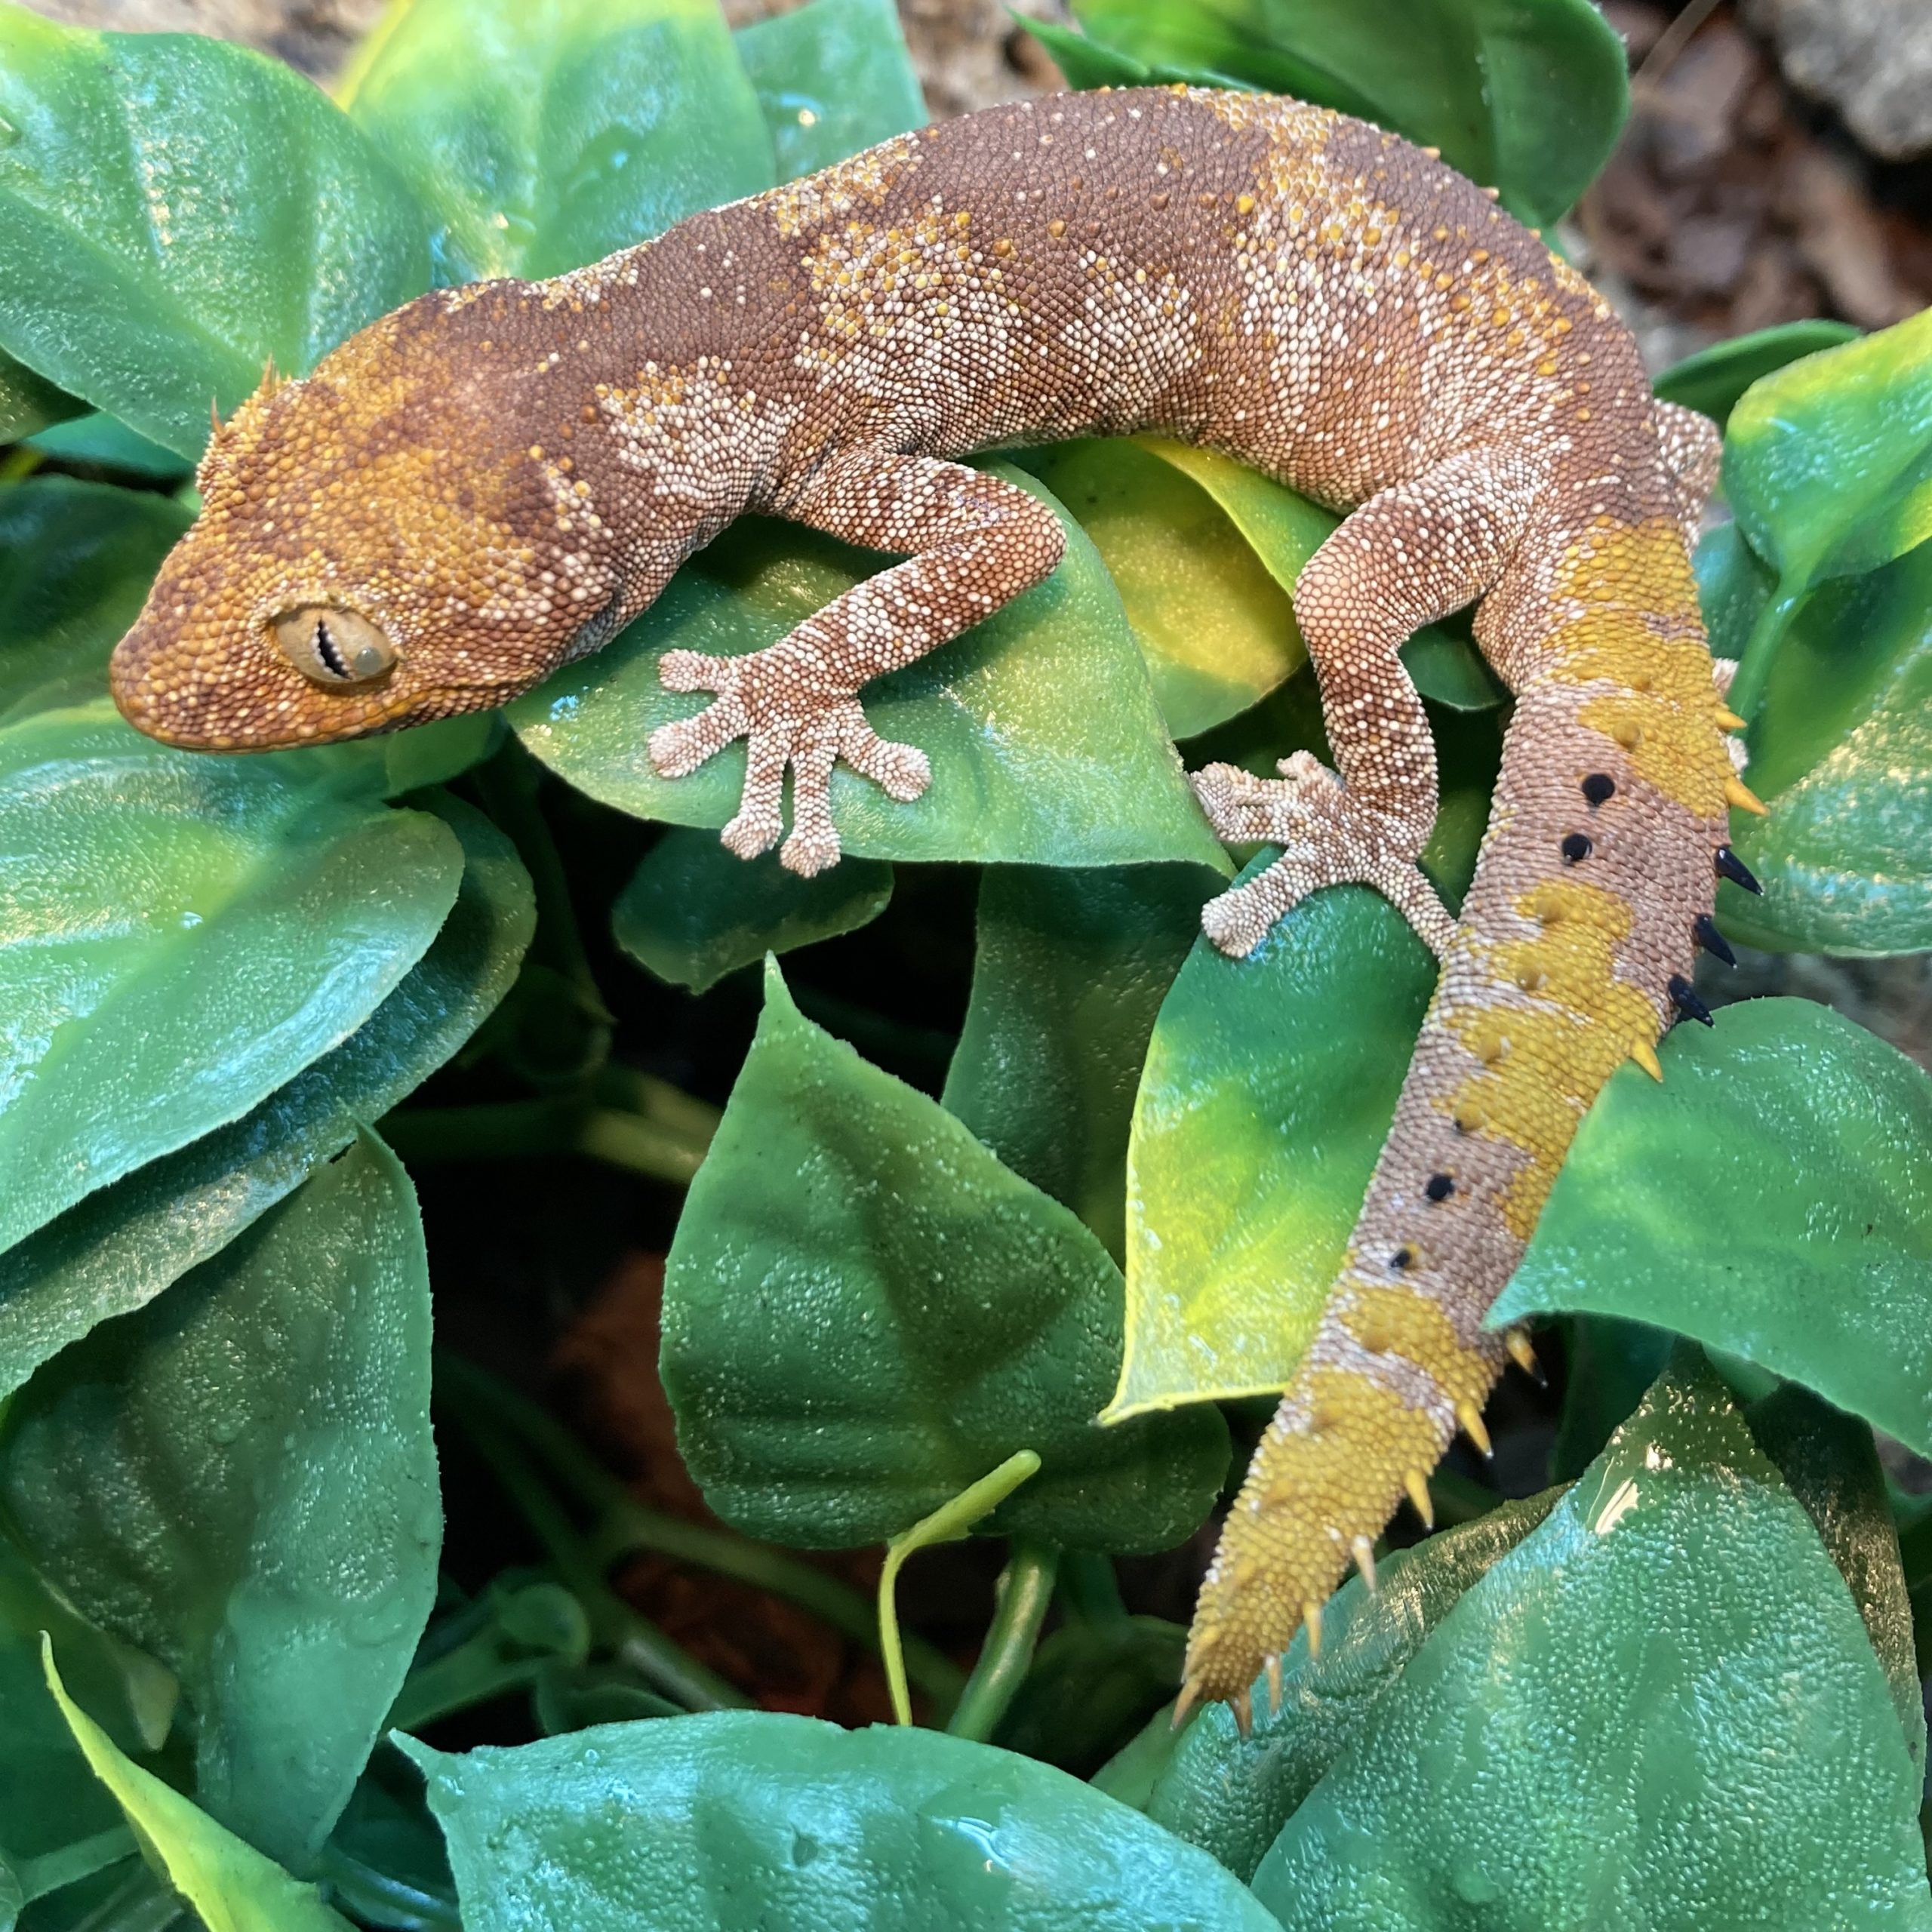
[1406,557]
[976,542]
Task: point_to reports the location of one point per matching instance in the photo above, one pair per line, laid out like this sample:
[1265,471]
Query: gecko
[496,479]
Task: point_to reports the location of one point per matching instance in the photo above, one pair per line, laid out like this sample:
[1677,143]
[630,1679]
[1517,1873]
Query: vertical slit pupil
[326,651]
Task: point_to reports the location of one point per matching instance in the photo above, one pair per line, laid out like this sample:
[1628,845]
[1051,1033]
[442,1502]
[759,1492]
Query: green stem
[947,1524]
[1759,652]
[1089,1589]
[666,1665]
[668,1148]
[1025,1589]
[623,1526]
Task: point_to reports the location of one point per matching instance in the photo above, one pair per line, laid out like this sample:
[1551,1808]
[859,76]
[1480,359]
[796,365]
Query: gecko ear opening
[331,646]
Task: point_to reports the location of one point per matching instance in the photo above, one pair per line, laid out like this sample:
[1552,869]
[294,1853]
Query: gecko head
[377,547]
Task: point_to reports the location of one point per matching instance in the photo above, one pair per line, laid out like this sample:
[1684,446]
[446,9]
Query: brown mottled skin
[496,479]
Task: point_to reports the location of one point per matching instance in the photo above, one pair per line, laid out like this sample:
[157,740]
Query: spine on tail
[1597,865]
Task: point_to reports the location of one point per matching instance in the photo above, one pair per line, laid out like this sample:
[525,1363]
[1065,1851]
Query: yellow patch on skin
[1308,1495]
[1575,1032]
[1405,1322]
[864,181]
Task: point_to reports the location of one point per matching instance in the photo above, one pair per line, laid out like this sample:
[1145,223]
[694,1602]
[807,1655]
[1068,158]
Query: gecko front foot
[788,717]
[1328,837]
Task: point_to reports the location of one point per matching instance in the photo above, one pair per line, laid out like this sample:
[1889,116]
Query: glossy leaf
[1831,1464]
[693,911]
[761,1818]
[1071,969]
[1658,1705]
[1269,1085]
[240,1478]
[546,136]
[76,562]
[108,443]
[1087,63]
[865,1313]
[1771,1198]
[180,935]
[229,1884]
[174,211]
[1231,1794]
[1842,754]
[29,402]
[117,1249]
[1527,97]
[1047,747]
[832,77]
[1713,380]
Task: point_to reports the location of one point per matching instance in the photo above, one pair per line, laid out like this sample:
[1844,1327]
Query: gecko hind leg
[1411,554]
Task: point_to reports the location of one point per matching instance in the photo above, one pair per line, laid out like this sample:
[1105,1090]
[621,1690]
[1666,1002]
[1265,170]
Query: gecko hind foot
[1327,838]
[786,723]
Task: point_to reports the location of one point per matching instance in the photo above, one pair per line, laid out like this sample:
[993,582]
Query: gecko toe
[756,828]
[901,771]
[689,670]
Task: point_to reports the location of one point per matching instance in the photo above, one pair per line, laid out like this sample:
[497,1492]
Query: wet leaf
[1713,380]
[693,911]
[240,1478]
[1046,745]
[832,77]
[864,1312]
[180,936]
[1841,752]
[118,1248]
[1528,98]
[1231,1794]
[1660,1703]
[229,1884]
[1770,1199]
[173,211]
[1072,967]
[766,1818]
[546,136]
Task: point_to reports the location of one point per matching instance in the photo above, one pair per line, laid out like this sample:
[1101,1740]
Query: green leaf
[757,1818]
[1091,63]
[1830,1463]
[1205,553]
[240,1478]
[832,77]
[1092,1682]
[180,935]
[1269,1085]
[1528,98]
[1209,606]
[51,1805]
[176,210]
[107,442]
[116,1250]
[546,136]
[1841,752]
[693,911]
[864,1312]
[1231,1794]
[1713,380]
[1771,1198]
[1658,1709]
[1047,747]
[229,1884]
[1071,967]
[76,562]
[29,402]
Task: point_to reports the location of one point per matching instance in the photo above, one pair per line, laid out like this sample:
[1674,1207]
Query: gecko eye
[333,646]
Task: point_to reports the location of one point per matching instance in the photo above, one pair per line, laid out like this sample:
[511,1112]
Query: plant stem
[666,1665]
[1759,652]
[947,1524]
[1025,1589]
[1089,1589]
[623,1526]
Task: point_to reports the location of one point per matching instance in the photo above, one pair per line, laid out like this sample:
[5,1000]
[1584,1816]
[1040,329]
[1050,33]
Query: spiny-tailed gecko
[496,478]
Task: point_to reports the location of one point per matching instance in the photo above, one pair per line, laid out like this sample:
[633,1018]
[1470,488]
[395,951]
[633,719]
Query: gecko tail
[1573,952]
